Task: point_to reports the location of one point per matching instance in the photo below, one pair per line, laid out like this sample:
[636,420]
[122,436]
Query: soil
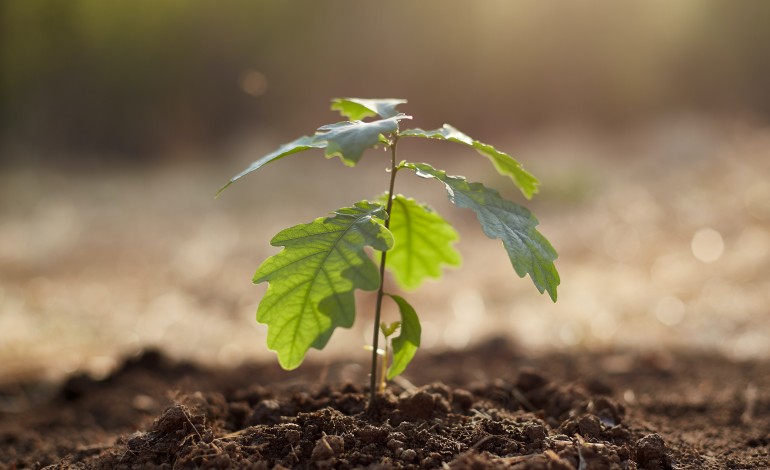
[489,407]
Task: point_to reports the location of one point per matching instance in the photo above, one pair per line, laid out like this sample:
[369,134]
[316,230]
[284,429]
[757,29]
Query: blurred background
[646,122]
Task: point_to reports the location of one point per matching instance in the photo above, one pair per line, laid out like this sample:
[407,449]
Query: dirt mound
[613,411]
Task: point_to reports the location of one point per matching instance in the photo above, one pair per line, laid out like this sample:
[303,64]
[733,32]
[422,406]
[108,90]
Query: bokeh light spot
[707,245]
[254,82]
[670,310]
[571,334]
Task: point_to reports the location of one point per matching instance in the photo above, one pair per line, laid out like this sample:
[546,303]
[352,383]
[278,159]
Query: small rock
[618,433]
[463,398]
[651,453]
[536,433]
[590,426]
[393,444]
[293,436]
[408,455]
[372,434]
[568,427]
[419,405]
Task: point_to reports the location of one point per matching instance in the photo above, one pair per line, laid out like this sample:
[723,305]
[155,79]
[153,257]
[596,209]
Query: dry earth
[615,411]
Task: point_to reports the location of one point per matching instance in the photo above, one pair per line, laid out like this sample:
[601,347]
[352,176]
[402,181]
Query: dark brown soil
[490,407]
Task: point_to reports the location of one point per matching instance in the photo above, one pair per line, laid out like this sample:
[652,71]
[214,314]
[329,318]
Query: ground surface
[664,241]
[490,407]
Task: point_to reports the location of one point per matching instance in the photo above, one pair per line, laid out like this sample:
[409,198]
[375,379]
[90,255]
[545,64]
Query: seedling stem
[383,260]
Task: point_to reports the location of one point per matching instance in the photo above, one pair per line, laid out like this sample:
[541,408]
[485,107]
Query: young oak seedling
[312,280]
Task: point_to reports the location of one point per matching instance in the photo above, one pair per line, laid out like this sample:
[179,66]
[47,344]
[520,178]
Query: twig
[184,412]
[231,435]
[479,413]
[482,441]
[579,444]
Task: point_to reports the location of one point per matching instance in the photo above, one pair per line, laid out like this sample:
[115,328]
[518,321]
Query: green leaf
[406,343]
[349,139]
[423,243]
[356,109]
[312,279]
[299,145]
[504,163]
[530,252]
[388,330]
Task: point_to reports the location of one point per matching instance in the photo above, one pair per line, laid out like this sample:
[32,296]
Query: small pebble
[408,455]
[536,433]
[651,452]
[293,436]
[590,426]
